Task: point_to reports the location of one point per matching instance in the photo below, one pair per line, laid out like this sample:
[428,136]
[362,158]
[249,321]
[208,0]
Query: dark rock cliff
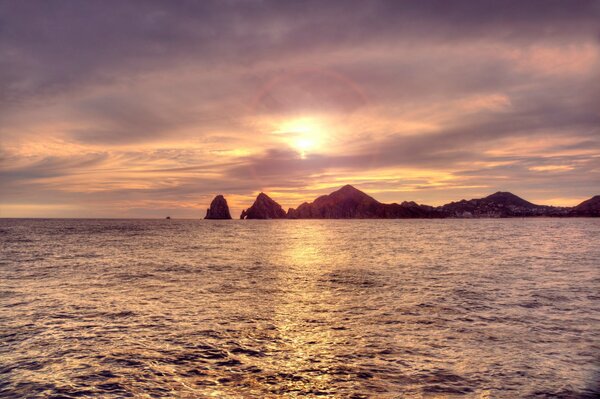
[351,203]
[589,208]
[218,209]
[264,208]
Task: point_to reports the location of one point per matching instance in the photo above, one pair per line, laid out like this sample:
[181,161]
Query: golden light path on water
[266,309]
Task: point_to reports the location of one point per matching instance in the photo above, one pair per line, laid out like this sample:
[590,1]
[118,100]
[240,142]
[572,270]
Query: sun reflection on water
[266,309]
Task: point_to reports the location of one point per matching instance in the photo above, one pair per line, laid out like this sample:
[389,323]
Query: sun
[303,134]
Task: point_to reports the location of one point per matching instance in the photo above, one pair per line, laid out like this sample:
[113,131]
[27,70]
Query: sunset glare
[165,106]
[304,135]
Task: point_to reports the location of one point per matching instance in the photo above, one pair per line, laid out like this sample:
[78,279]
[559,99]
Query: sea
[482,308]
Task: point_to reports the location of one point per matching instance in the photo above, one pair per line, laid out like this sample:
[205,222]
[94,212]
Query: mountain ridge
[501,204]
[348,202]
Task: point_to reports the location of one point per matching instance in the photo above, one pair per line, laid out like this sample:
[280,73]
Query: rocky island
[218,209]
[350,203]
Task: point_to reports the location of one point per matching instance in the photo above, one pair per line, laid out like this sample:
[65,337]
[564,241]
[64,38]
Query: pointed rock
[264,208]
[218,209]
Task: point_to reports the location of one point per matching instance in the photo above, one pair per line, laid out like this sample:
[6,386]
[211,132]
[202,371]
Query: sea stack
[264,208]
[218,209]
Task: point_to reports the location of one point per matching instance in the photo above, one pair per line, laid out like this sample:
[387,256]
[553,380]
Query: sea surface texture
[300,308]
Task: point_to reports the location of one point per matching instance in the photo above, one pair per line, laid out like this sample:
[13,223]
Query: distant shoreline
[350,203]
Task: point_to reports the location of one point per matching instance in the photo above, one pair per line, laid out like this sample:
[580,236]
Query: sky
[151,108]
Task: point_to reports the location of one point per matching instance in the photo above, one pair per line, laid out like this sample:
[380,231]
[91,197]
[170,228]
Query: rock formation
[218,209]
[351,203]
[264,208]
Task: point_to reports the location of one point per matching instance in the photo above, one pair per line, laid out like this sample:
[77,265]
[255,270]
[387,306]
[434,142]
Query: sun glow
[304,135]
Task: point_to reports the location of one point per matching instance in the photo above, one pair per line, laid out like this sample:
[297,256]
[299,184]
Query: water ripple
[342,309]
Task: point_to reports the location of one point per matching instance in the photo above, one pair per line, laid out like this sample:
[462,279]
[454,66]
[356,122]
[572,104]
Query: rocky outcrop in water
[589,208]
[218,209]
[264,208]
[351,203]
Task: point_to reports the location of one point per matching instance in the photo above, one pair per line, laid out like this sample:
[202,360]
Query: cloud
[52,47]
[141,105]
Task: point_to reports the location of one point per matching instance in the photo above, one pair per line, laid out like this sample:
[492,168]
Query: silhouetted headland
[218,209]
[350,203]
[500,205]
[589,207]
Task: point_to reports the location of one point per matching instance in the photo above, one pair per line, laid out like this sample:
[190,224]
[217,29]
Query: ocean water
[300,308]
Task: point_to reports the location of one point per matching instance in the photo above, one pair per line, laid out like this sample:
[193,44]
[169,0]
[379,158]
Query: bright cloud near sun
[304,134]
[172,105]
